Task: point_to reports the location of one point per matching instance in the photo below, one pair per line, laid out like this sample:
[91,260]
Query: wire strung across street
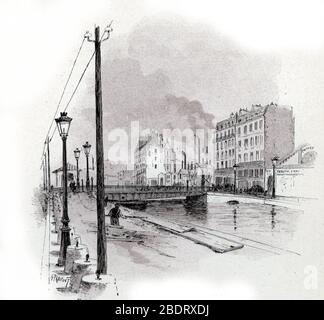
[108,30]
[75,89]
[63,92]
[82,74]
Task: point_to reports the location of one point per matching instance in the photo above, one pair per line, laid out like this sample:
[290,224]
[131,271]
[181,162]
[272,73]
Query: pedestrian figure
[72,186]
[114,215]
[106,201]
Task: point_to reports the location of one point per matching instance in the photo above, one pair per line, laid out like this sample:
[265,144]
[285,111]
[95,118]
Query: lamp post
[235,172]
[274,163]
[63,126]
[86,148]
[77,156]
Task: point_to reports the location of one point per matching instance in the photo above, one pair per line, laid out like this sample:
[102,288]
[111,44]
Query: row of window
[140,165]
[223,155]
[225,164]
[252,156]
[226,133]
[246,157]
[253,141]
[225,144]
[251,173]
[257,125]
[149,152]
[225,125]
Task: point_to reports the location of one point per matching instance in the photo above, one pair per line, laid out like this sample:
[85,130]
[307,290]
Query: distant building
[295,173]
[111,171]
[250,139]
[149,160]
[92,171]
[157,162]
[126,177]
[71,175]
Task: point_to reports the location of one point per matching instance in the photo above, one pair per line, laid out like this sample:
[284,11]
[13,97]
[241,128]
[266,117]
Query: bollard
[92,286]
[81,268]
[82,185]
[57,220]
[74,253]
[57,225]
[59,235]
[75,240]
[91,183]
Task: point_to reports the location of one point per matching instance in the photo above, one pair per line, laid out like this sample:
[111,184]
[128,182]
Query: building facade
[126,177]
[111,170]
[295,174]
[149,160]
[71,175]
[250,139]
[158,162]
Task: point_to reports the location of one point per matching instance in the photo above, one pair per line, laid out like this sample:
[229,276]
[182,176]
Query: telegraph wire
[75,89]
[106,33]
[63,92]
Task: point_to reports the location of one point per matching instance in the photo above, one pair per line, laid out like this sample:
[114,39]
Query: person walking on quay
[114,215]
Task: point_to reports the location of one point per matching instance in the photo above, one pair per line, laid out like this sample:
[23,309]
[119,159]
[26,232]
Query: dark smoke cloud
[129,95]
[171,73]
[205,65]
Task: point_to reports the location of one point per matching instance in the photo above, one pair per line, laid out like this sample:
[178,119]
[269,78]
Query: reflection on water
[273,213]
[234,219]
[248,219]
[198,212]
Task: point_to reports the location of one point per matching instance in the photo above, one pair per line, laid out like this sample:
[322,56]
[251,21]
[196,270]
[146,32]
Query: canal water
[270,223]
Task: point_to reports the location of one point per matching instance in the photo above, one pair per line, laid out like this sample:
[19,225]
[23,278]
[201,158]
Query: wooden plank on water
[167,225]
[214,243]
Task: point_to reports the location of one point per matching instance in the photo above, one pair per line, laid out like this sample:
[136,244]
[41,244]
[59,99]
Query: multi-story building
[158,162]
[125,177]
[250,139]
[149,160]
[111,170]
[295,174]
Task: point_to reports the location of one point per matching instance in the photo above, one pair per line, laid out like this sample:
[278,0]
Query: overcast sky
[223,54]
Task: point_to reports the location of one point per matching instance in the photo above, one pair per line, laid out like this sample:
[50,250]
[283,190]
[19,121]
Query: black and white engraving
[169,151]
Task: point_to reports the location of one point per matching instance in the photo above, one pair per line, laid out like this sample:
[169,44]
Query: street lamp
[86,148]
[77,156]
[235,172]
[274,163]
[63,126]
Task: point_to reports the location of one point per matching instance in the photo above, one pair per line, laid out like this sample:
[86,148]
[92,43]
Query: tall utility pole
[101,227]
[101,232]
[87,178]
[48,166]
[45,171]
[44,174]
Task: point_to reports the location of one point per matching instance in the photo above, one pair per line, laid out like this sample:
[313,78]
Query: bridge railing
[141,188]
[144,189]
